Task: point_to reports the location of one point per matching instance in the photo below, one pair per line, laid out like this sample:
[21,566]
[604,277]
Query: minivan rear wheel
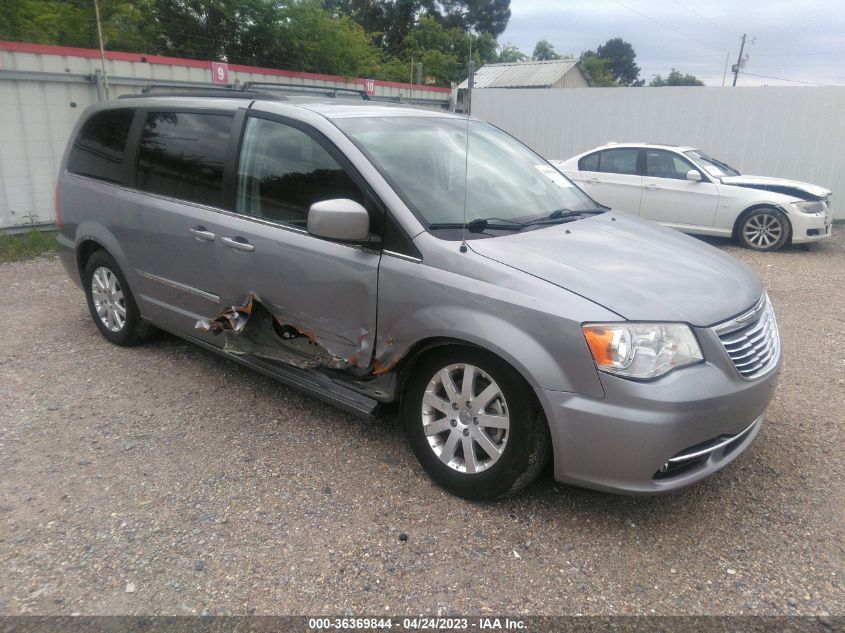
[111,303]
[764,229]
[474,425]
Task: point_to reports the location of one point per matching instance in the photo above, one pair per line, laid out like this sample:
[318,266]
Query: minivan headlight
[641,350]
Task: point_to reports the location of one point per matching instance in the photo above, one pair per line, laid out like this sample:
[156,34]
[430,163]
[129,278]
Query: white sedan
[684,188]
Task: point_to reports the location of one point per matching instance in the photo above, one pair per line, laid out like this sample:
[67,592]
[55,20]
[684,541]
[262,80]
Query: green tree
[299,35]
[481,16]
[510,54]
[444,52]
[675,78]
[544,51]
[621,61]
[376,38]
[597,69]
[127,25]
[389,22]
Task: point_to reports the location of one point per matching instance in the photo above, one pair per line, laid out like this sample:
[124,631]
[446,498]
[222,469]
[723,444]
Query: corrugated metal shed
[523,74]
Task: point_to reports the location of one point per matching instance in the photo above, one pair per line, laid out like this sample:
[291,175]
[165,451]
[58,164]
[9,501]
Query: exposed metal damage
[386,358]
[251,329]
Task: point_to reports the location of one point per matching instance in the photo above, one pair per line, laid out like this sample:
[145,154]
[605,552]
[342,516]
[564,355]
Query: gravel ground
[167,480]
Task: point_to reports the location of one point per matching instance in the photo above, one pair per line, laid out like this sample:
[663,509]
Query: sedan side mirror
[339,219]
[694,175]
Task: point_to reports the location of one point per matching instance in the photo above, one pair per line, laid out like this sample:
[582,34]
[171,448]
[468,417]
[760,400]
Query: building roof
[522,74]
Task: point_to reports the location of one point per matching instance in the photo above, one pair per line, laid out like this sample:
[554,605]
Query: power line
[796,81]
[666,26]
[706,19]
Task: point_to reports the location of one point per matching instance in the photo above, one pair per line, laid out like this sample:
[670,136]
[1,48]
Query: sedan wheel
[764,230]
[474,424]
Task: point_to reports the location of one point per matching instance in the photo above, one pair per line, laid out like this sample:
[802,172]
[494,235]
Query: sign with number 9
[220,72]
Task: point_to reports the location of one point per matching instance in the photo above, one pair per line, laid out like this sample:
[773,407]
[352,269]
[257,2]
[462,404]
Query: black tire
[527,446]
[765,229]
[133,330]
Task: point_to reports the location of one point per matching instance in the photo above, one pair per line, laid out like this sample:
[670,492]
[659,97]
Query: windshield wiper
[477,225]
[724,166]
[480,224]
[560,216]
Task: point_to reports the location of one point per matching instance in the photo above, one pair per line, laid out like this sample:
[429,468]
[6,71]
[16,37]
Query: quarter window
[662,164]
[98,151]
[619,161]
[589,163]
[283,171]
[182,155]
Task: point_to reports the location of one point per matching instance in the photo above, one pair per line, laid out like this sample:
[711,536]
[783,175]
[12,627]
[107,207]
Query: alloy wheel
[108,298]
[465,418]
[763,230]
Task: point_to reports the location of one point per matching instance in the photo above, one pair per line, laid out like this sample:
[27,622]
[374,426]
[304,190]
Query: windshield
[425,160]
[713,167]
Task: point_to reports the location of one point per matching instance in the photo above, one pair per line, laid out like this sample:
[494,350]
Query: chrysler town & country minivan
[370,253]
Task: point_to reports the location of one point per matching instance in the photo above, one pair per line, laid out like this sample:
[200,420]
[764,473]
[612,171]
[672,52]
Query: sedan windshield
[502,182]
[713,167]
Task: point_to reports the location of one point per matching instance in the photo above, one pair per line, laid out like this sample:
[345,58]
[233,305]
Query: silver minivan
[371,254]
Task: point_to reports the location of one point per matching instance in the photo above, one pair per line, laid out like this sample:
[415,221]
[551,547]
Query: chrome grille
[752,340]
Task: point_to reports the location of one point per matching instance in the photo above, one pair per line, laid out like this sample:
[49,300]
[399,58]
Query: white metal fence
[787,132]
[43,89]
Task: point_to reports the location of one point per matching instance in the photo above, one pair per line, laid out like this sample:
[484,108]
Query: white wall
[787,132]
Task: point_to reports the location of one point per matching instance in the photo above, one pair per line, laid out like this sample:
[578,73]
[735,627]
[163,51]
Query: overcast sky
[799,40]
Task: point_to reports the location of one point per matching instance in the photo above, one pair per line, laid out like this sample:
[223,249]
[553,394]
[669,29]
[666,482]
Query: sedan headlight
[641,350]
[810,206]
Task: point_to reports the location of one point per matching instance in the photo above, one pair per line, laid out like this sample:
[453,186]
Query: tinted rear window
[619,161]
[589,163]
[98,149]
[182,154]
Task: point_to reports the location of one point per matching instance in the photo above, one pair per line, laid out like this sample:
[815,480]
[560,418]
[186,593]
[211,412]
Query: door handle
[201,233]
[594,179]
[651,185]
[238,244]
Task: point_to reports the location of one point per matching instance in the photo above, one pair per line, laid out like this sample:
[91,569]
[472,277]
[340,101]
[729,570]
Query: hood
[803,190]
[638,269]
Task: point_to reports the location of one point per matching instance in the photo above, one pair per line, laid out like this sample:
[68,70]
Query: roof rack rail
[328,90]
[247,90]
[219,95]
[196,89]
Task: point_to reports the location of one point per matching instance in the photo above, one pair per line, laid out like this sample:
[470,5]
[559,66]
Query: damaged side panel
[251,329]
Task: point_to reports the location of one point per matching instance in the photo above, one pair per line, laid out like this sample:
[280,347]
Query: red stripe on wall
[71,51]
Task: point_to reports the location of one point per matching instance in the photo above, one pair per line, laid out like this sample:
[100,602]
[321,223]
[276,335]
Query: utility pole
[736,67]
[725,74]
[102,48]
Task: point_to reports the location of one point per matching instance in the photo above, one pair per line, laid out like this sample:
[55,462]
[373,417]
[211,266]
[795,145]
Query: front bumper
[811,227]
[702,416]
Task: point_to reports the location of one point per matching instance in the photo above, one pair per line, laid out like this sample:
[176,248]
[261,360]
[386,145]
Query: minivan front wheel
[112,306]
[764,229]
[474,425]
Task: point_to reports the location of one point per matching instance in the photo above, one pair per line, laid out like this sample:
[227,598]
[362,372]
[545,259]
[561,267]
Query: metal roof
[521,74]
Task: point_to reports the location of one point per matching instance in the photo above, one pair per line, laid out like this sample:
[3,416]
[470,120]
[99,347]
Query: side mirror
[339,219]
[694,175]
